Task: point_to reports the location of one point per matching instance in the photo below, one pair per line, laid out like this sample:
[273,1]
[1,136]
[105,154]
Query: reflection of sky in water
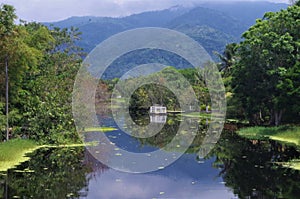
[123,140]
[185,179]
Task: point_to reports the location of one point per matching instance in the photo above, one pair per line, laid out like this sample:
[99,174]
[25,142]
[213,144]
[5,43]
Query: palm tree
[228,58]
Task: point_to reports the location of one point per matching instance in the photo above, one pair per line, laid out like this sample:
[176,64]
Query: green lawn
[13,152]
[288,134]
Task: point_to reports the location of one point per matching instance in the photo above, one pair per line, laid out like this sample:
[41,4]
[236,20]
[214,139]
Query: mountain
[96,29]
[246,12]
[213,25]
[210,18]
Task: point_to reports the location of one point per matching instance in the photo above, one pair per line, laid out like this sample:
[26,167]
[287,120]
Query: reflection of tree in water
[95,165]
[249,167]
[170,129]
[51,173]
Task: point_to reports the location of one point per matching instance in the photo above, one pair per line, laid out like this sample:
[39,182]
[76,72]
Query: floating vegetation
[101,129]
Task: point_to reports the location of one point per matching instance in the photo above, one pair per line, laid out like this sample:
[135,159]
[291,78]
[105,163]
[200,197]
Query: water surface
[235,168]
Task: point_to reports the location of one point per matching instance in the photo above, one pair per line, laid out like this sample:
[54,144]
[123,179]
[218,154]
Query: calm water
[235,168]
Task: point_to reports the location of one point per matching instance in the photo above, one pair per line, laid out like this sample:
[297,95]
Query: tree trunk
[277,117]
[271,121]
[261,116]
[6,97]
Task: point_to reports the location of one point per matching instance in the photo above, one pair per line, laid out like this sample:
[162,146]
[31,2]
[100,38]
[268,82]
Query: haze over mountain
[213,25]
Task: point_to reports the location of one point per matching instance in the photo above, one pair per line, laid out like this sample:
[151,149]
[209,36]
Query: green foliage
[7,17]
[42,66]
[155,93]
[266,75]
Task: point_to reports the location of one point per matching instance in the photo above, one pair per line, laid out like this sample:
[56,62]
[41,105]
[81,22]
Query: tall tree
[19,57]
[7,17]
[266,79]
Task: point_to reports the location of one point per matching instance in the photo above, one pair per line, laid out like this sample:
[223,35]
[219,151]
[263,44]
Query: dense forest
[41,67]
[38,65]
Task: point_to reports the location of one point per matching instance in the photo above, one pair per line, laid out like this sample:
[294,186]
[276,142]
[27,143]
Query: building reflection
[160,119]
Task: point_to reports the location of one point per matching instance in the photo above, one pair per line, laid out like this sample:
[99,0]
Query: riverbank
[13,152]
[285,134]
[288,134]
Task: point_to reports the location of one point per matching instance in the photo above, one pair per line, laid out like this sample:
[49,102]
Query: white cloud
[112,184]
[54,10]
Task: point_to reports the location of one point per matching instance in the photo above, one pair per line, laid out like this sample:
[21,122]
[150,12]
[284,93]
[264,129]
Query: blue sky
[54,10]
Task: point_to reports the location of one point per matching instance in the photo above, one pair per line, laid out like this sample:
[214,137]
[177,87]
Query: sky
[55,10]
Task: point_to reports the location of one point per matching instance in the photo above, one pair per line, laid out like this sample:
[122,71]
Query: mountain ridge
[212,25]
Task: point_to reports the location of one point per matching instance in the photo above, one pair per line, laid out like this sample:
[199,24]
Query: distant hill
[213,25]
[246,12]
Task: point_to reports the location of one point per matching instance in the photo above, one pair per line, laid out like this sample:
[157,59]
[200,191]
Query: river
[234,168]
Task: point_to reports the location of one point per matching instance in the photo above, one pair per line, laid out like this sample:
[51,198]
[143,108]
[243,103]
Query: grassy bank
[293,164]
[13,152]
[288,134]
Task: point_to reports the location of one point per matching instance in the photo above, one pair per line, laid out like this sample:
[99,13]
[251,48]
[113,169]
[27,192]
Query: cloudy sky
[54,10]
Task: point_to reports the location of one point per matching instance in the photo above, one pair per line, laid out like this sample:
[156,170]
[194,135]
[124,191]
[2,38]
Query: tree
[42,67]
[19,57]
[46,104]
[7,17]
[228,58]
[266,79]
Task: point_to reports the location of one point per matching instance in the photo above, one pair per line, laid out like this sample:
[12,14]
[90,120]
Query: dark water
[235,168]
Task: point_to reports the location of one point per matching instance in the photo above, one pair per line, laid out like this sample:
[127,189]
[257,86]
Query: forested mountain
[213,25]
[246,12]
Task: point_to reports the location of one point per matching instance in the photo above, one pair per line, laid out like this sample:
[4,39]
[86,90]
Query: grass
[287,134]
[13,152]
[293,164]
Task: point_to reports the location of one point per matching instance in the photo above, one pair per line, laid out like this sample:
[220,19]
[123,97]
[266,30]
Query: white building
[157,109]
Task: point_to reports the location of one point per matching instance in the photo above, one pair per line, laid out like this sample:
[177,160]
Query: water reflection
[162,119]
[185,179]
[251,168]
[51,173]
[235,168]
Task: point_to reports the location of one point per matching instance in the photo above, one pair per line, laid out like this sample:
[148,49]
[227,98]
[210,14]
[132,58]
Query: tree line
[38,65]
[35,93]
[263,71]
[261,74]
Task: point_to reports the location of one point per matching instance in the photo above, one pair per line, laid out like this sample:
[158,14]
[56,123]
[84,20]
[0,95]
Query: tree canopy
[266,77]
[42,64]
